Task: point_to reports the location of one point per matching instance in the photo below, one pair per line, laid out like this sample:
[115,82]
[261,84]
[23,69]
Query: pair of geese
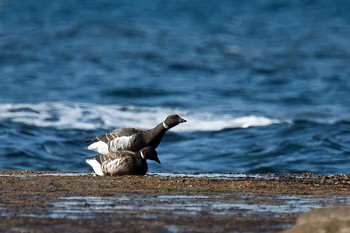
[125,151]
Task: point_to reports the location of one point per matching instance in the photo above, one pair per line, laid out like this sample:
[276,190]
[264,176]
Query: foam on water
[68,115]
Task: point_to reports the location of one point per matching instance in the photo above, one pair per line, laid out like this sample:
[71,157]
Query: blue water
[264,85]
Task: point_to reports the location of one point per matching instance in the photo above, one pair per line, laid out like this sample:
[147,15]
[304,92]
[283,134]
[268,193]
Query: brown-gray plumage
[123,162]
[133,139]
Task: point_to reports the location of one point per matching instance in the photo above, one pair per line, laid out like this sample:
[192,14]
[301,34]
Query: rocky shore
[34,201]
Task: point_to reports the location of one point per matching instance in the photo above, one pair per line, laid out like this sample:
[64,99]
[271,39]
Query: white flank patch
[111,167]
[96,166]
[120,143]
[114,163]
[99,147]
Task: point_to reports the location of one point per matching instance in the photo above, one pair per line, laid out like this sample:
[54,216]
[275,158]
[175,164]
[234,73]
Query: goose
[123,162]
[133,139]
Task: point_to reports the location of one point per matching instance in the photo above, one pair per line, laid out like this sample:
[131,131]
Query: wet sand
[79,202]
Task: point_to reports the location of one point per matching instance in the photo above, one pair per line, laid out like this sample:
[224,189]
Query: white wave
[65,115]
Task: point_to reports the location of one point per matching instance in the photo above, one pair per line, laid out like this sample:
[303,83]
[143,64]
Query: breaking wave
[68,115]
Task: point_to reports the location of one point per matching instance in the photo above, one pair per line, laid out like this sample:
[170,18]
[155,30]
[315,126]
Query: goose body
[123,162]
[133,139]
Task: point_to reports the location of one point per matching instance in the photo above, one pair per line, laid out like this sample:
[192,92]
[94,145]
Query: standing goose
[123,162]
[133,139]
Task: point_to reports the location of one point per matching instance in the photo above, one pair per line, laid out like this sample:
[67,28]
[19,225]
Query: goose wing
[107,163]
[123,132]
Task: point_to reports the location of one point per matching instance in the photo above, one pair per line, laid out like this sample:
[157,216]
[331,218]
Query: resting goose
[123,162]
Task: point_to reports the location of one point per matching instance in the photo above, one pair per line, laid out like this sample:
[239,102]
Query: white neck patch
[165,126]
[142,155]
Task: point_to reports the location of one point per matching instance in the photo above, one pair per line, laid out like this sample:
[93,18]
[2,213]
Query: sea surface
[264,85]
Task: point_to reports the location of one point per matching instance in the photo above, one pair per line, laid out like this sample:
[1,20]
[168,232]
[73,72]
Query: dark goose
[133,139]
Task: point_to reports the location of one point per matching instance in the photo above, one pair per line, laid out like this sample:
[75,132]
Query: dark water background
[264,85]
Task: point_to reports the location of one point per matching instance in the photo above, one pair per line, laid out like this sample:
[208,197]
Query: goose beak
[157,160]
[182,120]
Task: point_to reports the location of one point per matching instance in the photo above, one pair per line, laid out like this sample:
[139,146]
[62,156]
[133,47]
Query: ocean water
[264,85]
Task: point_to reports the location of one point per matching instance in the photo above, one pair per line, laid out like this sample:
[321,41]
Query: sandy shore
[77,202]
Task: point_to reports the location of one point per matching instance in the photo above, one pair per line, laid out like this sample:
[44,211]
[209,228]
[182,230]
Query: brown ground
[28,198]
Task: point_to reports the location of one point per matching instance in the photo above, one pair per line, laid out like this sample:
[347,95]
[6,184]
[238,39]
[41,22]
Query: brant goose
[133,139]
[123,162]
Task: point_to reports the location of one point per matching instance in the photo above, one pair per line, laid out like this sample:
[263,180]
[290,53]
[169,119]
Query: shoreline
[35,200]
